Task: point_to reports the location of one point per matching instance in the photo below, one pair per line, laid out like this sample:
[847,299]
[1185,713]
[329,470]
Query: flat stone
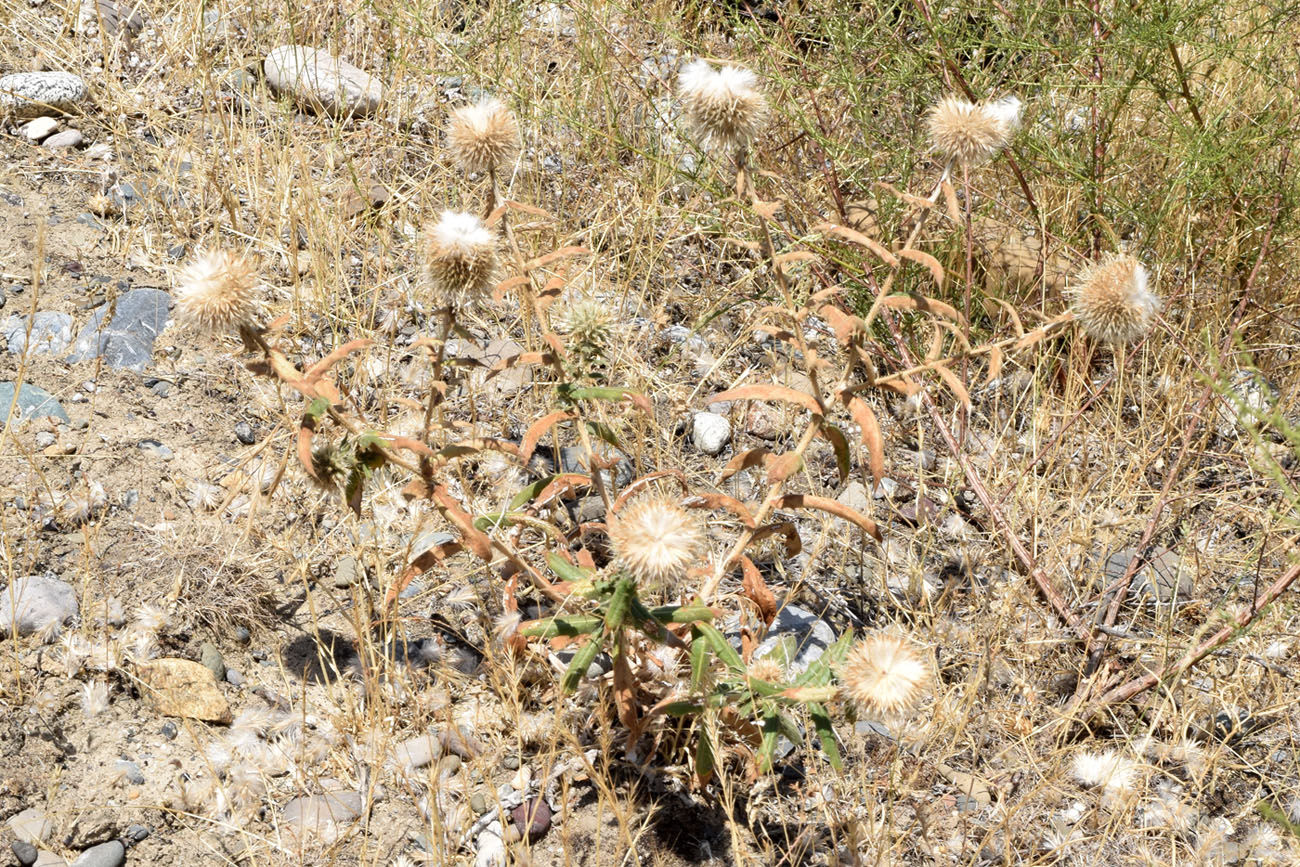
[321,818]
[35,94]
[573,459]
[25,852]
[35,603]
[49,333]
[321,82]
[123,331]
[710,432]
[796,639]
[33,402]
[69,138]
[110,854]
[114,15]
[855,497]
[419,751]
[39,129]
[1163,579]
[93,827]
[31,826]
[49,859]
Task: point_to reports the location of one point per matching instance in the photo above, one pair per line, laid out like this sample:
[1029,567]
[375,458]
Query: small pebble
[242,635]
[110,854]
[137,833]
[448,766]
[211,659]
[69,138]
[25,852]
[477,803]
[169,730]
[510,763]
[234,678]
[244,433]
[131,771]
[156,449]
[532,818]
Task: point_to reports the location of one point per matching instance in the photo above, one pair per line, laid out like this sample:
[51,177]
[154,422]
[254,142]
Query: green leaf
[370,440]
[718,642]
[699,661]
[683,708]
[620,603]
[705,755]
[681,614]
[572,626]
[530,492]
[492,521]
[771,732]
[821,672]
[318,407]
[604,432]
[826,734]
[581,661]
[566,570]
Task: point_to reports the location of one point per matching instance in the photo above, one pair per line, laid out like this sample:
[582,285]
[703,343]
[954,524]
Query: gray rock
[1162,579]
[573,459]
[34,94]
[110,854]
[25,852]
[710,432]
[348,571]
[131,771]
[136,833]
[321,818]
[69,138]
[31,826]
[234,677]
[113,16]
[92,828]
[49,859]
[39,129]
[157,449]
[419,751]
[45,439]
[244,433]
[49,334]
[491,850]
[35,603]
[211,659]
[855,497]
[321,82]
[123,331]
[796,639]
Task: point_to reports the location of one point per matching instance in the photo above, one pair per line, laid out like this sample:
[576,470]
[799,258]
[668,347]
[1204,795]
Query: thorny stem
[435,396]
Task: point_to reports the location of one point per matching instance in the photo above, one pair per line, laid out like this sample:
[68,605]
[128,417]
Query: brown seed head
[972,133]
[655,541]
[483,136]
[724,106]
[884,674]
[460,257]
[1112,302]
[218,292]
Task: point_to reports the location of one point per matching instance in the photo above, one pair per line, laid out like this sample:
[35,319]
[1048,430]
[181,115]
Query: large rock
[179,687]
[321,819]
[123,331]
[35,603]
[33,402]
[49,334]
[36,94]
[321,82]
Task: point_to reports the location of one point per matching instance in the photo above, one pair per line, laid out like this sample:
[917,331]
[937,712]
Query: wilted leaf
[860,239]
[768,392]
[745,460]
[871,436]
[936,270]
[757,590]
[538,429]
[782,467]
[834,507]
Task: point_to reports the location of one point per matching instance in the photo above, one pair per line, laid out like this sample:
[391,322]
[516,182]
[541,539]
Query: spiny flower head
[1112,301]
[460,257]
[483,136]
[589,325]
[655,541]
[218,292]
[971,132]
[724,106]
[884,674]
[331,466]
[767,669]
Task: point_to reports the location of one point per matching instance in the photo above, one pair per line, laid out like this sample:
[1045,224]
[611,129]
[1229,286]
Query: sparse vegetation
[843,434]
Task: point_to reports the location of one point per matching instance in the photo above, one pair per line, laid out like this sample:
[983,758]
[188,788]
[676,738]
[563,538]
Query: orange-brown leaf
[954,383]
[834,507]
[871,436]
[320,368]
[306,430]
[950,199]
[936,270]
[451,509]
[554,255]
[768,392]
[923,304]
[862,240]
[995,365]
[503,364]
[421,564]
[744,461]
[914,201]
[721,501]
[538,429]
[756,589]
[793,544]
[625,695]
[782,467]
[846,326]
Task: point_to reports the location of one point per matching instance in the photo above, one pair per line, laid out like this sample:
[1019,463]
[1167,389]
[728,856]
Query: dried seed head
[483,136]
[460,257]
[972,132]
[655,541]
[589,323]
[331,466]
[884,674]
[1112,302]
[724,106]
[94,698]
[1110,770]
[218,292]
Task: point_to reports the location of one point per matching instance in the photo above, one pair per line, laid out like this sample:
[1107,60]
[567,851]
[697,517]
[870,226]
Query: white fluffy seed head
[1112,300]
[483,136]
[218,292]
[94,698]
[970,132]
[1108,770]
[884,674]
[723,106]
[460,258]
[656,541]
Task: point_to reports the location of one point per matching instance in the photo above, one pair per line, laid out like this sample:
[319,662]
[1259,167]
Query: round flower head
[655,541]
[460,257]
[884,674]
[724,106]
[483,136]
[217,292]
[972,132]
[1112,302]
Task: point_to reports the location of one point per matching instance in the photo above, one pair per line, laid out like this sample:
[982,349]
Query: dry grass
[1177,153]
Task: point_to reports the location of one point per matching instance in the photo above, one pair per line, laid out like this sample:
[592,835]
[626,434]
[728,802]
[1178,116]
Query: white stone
[31,826]
[322,82]
[37,602]
[69,138]
[39,129]
[711,432]
[491,851]
[34,94]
